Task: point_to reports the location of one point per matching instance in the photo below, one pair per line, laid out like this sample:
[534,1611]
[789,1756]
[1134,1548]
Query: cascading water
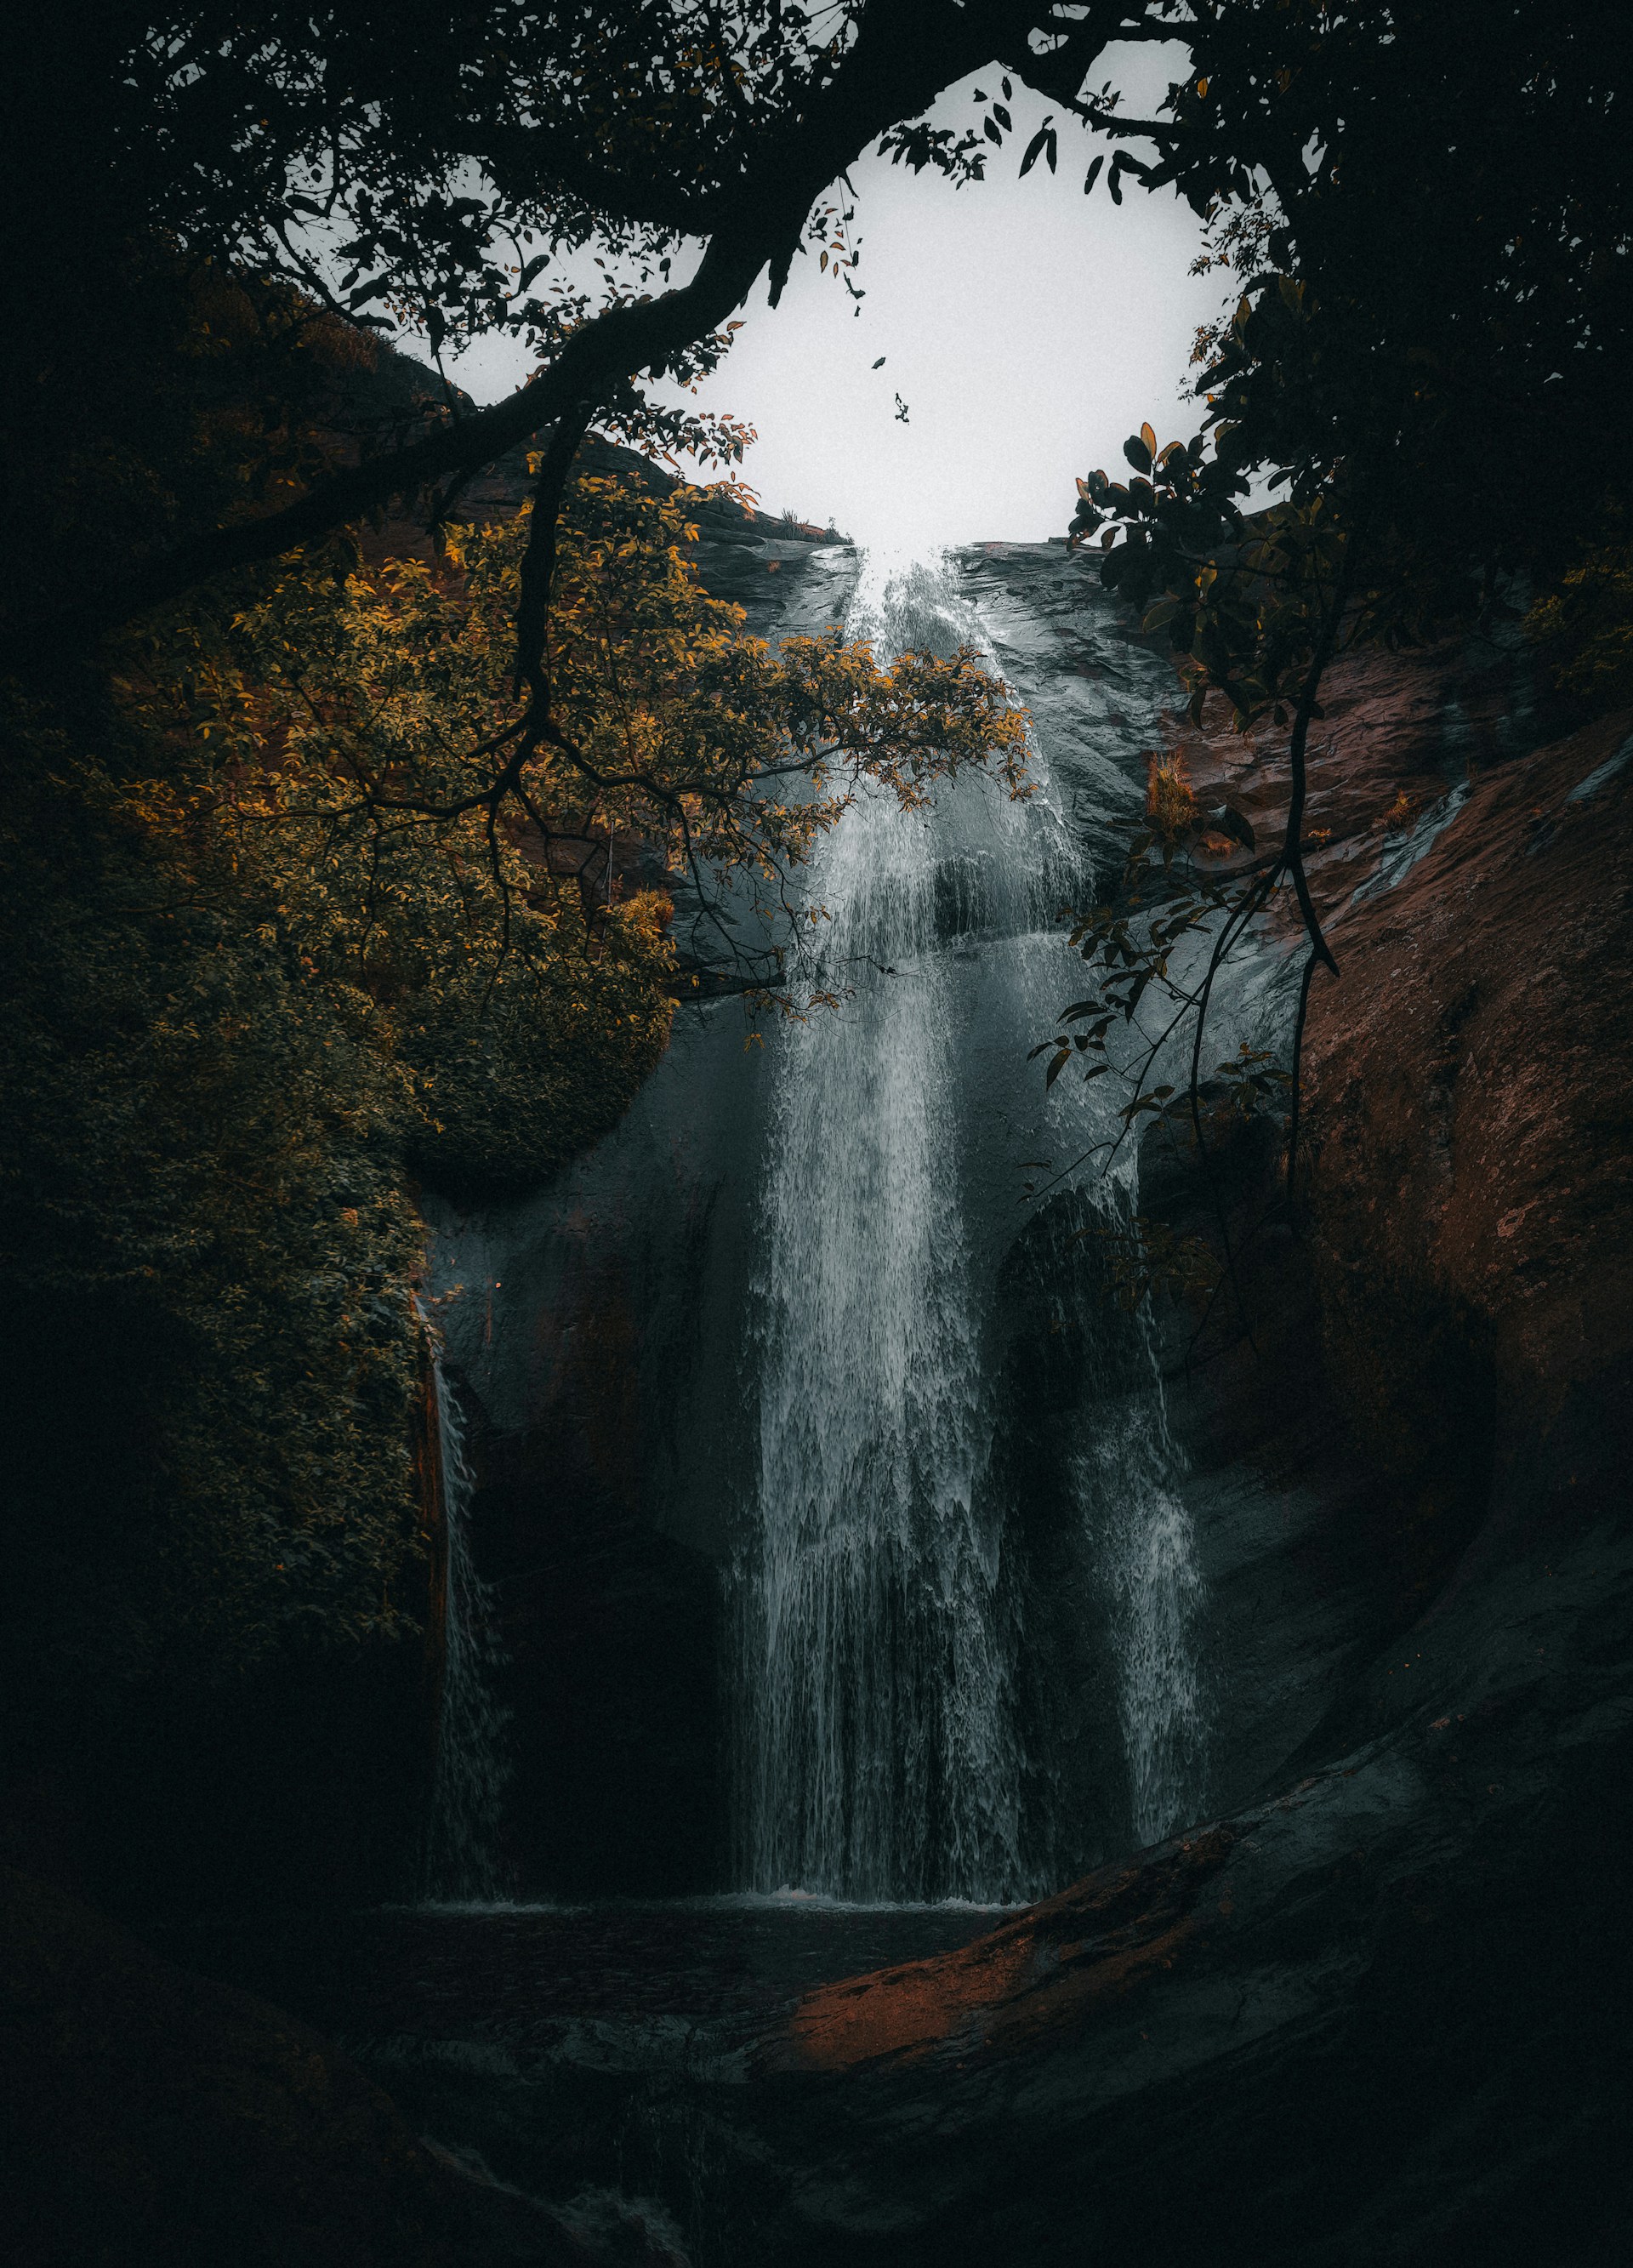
[462,1859]
[879,1754]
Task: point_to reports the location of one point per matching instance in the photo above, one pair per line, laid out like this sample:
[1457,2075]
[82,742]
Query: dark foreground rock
[150,2115]
[1380,2016]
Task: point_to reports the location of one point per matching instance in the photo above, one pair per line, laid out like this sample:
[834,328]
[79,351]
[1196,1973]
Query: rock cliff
[1375,2008]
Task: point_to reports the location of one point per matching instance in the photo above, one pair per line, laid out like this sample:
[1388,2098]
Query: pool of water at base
[514,1975]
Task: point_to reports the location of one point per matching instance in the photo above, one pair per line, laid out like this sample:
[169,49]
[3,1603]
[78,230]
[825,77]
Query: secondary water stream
[462,1858]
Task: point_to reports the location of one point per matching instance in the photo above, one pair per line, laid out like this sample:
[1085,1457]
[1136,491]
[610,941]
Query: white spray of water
[878,1752]
[880,1757]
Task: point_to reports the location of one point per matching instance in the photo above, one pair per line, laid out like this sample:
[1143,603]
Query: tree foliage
[440,171]
[361,719]
[350,874]
[208,1239]
[275,955]
[1430,288]
[1583,628]
[443,169]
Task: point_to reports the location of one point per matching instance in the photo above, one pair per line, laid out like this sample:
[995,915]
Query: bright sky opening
[1026,329]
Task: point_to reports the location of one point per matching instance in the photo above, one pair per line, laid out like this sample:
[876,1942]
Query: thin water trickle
[462,1859]
[1159,1594]
[1146,1545]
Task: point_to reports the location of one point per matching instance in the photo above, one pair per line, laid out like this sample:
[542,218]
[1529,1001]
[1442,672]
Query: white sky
[1028,329]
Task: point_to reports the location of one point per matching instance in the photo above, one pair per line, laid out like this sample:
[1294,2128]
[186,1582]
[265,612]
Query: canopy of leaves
[441,162]
[1582,629]
[1447,187]
[441,168]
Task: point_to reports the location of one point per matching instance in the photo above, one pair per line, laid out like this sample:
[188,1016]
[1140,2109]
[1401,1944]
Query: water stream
[1147,1545]
[846,1549]
[879,1751]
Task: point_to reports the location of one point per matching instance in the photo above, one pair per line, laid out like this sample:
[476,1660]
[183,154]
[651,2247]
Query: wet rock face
[611,1632]
[615,1436]
[602,1330]
[1380,2014]
[1466,1194]
[1443,1319]
[1471,1088]
[1467,1081]
[1374,2006]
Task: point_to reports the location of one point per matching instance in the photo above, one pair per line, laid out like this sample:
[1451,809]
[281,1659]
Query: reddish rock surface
[1398,731]
[1053,1968]
[1470,1086]
[1469,1079]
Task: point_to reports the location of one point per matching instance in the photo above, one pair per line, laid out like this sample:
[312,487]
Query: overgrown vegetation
[277,955]
[1582,629]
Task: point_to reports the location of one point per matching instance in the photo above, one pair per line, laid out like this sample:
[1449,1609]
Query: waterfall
[878,1750]
[462,1838]
[879,1755]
